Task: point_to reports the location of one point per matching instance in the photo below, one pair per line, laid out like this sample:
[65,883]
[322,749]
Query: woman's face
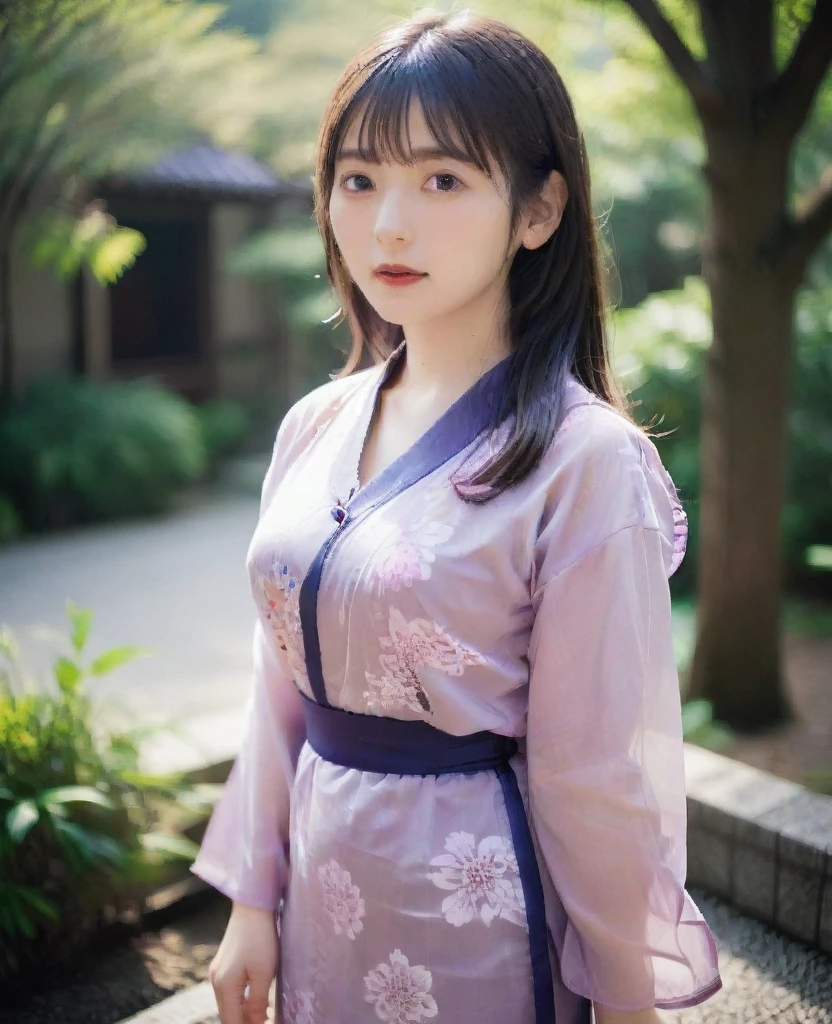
[441,217]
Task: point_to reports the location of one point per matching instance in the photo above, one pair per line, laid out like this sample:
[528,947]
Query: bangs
[445,84]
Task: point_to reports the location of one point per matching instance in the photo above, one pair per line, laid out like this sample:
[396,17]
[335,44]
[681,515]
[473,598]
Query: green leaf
[68,675]
[21,818]
[81,624]
[75,795]
[169,845]
[114,658]
[115,253]
[39,902]
[18,916]
[92,846]
[157,783]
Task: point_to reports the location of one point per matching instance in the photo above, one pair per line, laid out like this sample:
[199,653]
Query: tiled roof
[207,168]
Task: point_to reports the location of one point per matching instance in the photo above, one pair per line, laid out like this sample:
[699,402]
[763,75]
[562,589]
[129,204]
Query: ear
[545,211]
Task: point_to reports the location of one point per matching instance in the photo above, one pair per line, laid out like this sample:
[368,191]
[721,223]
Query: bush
[78,840]
[224,424]
[77,451]
[10,525]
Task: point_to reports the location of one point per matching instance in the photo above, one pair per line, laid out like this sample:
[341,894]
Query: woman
[461,792]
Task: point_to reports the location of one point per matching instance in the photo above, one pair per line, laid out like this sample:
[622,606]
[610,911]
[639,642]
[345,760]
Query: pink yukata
[533,858]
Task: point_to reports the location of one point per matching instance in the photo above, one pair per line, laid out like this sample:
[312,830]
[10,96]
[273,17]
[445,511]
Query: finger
[257,1001]
[229,996]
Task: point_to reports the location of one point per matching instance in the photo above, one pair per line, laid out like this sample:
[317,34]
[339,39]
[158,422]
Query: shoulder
[593,440]
[603,473]
[307,416]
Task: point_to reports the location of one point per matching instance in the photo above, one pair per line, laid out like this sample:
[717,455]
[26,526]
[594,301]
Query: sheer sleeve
[604,742]
[244,852]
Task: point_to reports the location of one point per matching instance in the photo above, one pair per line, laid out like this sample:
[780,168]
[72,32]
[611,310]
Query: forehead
[401,133]
[413,129]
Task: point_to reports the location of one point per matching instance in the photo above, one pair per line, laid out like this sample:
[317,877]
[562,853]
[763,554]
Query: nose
[392,219]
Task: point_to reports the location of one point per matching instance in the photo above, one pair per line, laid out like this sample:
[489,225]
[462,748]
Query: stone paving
[176,584]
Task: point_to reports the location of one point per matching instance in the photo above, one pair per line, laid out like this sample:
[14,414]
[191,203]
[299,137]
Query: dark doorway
[159,308]
[155,304]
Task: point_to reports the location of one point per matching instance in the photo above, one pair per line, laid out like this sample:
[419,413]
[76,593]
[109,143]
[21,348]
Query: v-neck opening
[484,387]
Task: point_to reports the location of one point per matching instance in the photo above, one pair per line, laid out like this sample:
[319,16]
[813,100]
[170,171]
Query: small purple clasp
[340,512]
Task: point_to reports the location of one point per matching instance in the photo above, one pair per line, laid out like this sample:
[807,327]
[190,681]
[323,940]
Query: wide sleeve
[604,740]
[245,849]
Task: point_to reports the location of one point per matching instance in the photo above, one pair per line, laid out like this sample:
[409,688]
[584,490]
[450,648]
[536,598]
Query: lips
[397,270]
[396,275]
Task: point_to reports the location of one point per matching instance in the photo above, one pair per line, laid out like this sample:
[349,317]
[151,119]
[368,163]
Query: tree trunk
[6,335]
[737,663]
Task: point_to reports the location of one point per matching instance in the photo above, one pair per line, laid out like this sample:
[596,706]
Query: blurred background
[163,300]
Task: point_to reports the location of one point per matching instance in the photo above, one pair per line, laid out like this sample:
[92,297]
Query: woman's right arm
[245,850]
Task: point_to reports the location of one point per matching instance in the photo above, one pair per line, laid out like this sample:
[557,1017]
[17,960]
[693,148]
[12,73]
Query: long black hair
[487,94]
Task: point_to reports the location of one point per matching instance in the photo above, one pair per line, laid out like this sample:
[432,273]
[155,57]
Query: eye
[443,179]
[360,178]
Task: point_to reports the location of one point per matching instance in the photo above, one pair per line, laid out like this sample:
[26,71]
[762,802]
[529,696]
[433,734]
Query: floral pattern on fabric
[298,1008]
[400,993]
[407,551]
[413,645]
[484,881]
[341,899]
[277,595]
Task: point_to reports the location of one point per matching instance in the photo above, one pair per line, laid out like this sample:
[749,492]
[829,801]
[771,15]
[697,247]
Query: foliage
[76,450]
[94,240]
[223,424]
[96,87]
[293,256]
[699,727]
[10,525]
[255,17]
[79,841]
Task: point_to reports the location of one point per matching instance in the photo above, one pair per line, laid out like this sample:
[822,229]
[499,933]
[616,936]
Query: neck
[445,356]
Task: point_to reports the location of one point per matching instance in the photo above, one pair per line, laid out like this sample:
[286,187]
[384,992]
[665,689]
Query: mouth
[397,275]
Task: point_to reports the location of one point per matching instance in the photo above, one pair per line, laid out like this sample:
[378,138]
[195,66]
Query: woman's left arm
[606,781]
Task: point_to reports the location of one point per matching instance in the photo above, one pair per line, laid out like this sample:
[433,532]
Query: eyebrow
[421,153]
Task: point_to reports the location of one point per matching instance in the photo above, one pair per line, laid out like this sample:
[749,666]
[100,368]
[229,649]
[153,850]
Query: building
[177,314]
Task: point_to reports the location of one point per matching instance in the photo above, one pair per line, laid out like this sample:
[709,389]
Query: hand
[604,1015]
[248,955]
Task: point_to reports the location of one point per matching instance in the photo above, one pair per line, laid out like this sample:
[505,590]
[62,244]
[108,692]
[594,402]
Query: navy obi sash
[372,743]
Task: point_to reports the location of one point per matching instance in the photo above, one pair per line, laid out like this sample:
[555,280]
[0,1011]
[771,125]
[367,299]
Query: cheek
[475,230]
[345,223]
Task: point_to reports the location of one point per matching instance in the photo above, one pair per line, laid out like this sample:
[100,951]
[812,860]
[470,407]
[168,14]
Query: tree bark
[738,663]
[6,338]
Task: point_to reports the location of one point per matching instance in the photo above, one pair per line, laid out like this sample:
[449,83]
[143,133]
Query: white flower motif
[298,1008]
[401,993]
[413,645]
[478,880]
[342,900]
[406,553]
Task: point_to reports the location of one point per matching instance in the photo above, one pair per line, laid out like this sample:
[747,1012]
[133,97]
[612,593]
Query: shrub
[76,450]
[78,839]
[10,525]
[224,424]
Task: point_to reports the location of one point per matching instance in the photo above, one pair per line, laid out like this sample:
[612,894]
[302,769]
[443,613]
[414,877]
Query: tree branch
[813,225]
[793,93]
[681,59]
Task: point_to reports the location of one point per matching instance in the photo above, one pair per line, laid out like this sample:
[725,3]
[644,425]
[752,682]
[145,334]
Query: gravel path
[767,977]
